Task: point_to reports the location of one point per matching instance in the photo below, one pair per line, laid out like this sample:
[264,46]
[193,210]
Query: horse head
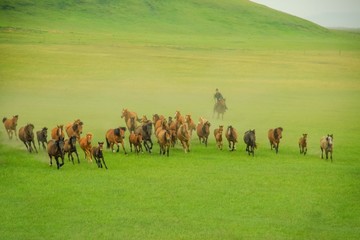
[329,140]
[125,113]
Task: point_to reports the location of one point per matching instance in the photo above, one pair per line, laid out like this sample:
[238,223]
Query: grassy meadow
[63,60]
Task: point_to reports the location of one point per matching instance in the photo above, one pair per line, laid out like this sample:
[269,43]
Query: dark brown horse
[203,131]
[115,136]
[274,136]
[231,136]
[146,130]
[327,145]
[97,152]
[70,148]
[74,129]
[250,141]
[55,148]
[26,135]
[57,132]
[42,137]
[220,108]
[10,125]
[303,144]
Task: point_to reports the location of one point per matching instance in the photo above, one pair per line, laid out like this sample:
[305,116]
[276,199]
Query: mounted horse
[74,129]
[70,148]
[220,108]
[303,144]
[203,131]
[327,145]
[274,136]
[231,136]
[10,125]
[26,135]
[85,144]
[42,137]
[250,141]
[55,149]
[218,136]
[115,136]
[97,152]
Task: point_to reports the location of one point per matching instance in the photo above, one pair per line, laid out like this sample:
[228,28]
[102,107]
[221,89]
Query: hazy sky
[328,13]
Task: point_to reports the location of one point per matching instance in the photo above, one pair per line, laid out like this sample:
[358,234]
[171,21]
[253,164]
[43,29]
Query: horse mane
[276,135]
[4,119]
[75,127]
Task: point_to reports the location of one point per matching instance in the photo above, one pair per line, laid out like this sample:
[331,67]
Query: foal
[97,152]
[303,144]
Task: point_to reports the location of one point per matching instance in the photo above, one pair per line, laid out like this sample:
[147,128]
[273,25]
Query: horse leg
[50,162]
[57,162]
[331,156]
[103,160]
[77,155]
[62,160]
[33,142]
[322,153]
[305,151]
[277,148]
[123,147]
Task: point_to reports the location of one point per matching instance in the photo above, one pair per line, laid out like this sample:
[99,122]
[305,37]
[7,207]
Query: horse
[58,132]
[303,144]
[250,141]
[203,131]
[10,125]
[26,135]
[55,148]
[191,123]
[74,129]
[231,136]
[179,119]
[184,137]
[327,144]
[164,140]
[274,136]
[146,130]
[220,108]
[85,144]
[136,140]
[218,136]
[115,136]
[70,148]
[42,137]
[131,124]
[97,152]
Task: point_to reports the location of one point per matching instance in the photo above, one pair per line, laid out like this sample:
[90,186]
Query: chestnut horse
[164,140]
[136,140]
[26,135]
[130,119]
[250,141]
[218,136]
[42,137]
[274,136]
[191,123]
[203,131]
[231,136]
[115,136]
[303,144]
[10,125]
[97,152]
[55,149]
[85,144]
[74,129]
[327,144]
[58,132]
[184,137]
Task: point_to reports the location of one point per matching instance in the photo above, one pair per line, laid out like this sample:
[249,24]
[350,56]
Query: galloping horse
[250,141]
[70,148]
[26,135]
[146,130]
[184,137]
[74,129]
[220,108]
[303,144]
[218,136]
[55,149]
[191,123]
[42,137]
[274,136]
[115,136]
[326,144]
[130,119]
[231,136]
[203,131]
[97,152]
[10,125]
[136,140]
[85,144]
[57,132]
[164,140]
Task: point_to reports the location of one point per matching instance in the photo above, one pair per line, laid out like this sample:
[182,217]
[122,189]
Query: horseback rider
[218,97]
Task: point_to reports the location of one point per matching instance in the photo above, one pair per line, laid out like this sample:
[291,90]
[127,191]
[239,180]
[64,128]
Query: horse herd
[167,132]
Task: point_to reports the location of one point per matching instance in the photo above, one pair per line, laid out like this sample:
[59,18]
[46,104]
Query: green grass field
[63,60]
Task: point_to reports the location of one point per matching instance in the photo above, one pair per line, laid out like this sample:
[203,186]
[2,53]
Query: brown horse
[184,137]
[74,129]
[203,131]
[191,124]
[97,152]
[220,108]
[231,135]
[303,144]
[327,144]
[146,130]
[164,140]
[70,148]
[42,137]
[10,125]
[274,136]
[55,148]
[115,136]
[250,141]
[218,136]
[136,140]
[58,132]
[26,135]
[85,144]
[179,119]
[131,119]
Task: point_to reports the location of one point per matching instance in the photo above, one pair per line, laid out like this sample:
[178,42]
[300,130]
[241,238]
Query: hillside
[191,17]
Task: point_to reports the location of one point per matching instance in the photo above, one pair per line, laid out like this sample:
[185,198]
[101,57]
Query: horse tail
[4,119]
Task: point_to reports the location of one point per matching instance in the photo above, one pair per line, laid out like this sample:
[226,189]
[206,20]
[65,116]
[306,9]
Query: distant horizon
[327,13]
